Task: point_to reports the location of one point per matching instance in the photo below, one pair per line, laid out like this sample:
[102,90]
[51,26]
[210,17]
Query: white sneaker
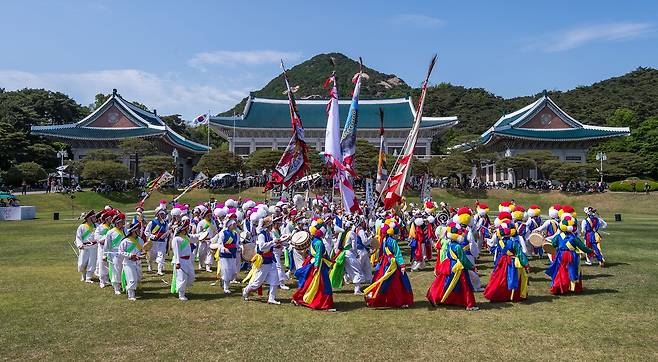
[588,262]
[226,291]
[182,299]
[284,287]
[102,285]
[245,295]
[117,292]
[82,278]
[358,292]
[275,302]
[160,273]
[132,299]
[208,269]
[89,281]
[234,282]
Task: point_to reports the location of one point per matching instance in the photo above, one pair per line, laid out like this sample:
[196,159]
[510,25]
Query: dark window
[573,158]
[242,150]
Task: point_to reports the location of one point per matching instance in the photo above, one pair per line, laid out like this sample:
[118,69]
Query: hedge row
[627,185]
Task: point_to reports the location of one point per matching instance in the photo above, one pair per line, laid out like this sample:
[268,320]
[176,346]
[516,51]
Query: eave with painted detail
[115,120]
[543,120]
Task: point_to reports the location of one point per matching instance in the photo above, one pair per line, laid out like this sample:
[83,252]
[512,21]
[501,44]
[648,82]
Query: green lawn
[47,313]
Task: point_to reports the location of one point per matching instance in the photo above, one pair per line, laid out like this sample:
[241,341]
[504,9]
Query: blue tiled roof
[93,133]
[511,126]
[269,113]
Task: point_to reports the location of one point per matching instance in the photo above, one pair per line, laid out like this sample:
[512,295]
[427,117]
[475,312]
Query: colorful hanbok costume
[565,273]
[391,287]
[417,244]
[452,284]
[590,227]
[313,278]
[509,279]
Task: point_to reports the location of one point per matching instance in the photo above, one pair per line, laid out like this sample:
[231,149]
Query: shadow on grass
[533,299]
[495,306]
[599,291]
[596,276]
[614,264]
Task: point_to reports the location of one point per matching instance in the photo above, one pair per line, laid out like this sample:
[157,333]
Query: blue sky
[189,57]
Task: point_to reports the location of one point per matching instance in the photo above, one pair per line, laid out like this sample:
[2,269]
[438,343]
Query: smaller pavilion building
[541,125]
[118,119]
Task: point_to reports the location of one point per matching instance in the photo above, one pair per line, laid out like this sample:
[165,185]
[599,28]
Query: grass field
[47,313]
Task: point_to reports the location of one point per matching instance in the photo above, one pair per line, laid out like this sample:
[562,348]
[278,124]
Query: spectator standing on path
[24,188]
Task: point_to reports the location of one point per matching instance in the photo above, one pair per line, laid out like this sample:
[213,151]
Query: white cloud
[580,36]
[417,20]
[231,58]
[165,93]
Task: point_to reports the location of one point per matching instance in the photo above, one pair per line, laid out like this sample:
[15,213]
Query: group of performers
[322,249]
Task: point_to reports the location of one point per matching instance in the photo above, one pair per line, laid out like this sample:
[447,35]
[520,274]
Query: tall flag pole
[381,163]
[332,148]
[395,184]
[348,138]
[294,160]
[332,152]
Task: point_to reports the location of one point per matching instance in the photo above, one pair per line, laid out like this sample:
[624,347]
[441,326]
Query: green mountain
[476,108]
[311,75]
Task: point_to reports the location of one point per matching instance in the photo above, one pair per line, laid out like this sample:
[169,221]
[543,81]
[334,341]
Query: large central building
[265,124]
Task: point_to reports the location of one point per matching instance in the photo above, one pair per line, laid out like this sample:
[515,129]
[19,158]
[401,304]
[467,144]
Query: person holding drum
[509,279]
[391,287]
[551,226]
[263,268]
[226,242]
[564,271]
[452,285]
[206,230]
[313,278]
[534,222]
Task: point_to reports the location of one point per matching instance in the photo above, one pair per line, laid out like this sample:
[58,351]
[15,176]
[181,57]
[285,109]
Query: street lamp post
[61,154]
[601,157]
[174,154]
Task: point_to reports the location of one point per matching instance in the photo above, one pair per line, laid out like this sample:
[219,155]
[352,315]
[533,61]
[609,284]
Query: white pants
[364,275]
[133,275]
[298,258]
[87,261]
[280,268]
[266,273]
[184,276]
[475,278]
[205,255]
[228,268]
[117,268]
[352,270]
[161,253]
[418,265]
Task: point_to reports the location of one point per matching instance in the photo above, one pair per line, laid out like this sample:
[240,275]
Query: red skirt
[323,298]
[561,283]
[392,293]
[497,289]
[461,295]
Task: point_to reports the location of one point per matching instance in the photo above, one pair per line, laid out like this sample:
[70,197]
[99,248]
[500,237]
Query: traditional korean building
[265,124]
[541,125]
[116,120]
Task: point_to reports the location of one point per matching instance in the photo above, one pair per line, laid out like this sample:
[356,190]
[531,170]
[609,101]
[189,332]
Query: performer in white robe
[183,259]
[265,272]
[87,246]
[229,244]
[115,260]
[157,231]
[130,249]
[99,235]
[205,225]
[361,250]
